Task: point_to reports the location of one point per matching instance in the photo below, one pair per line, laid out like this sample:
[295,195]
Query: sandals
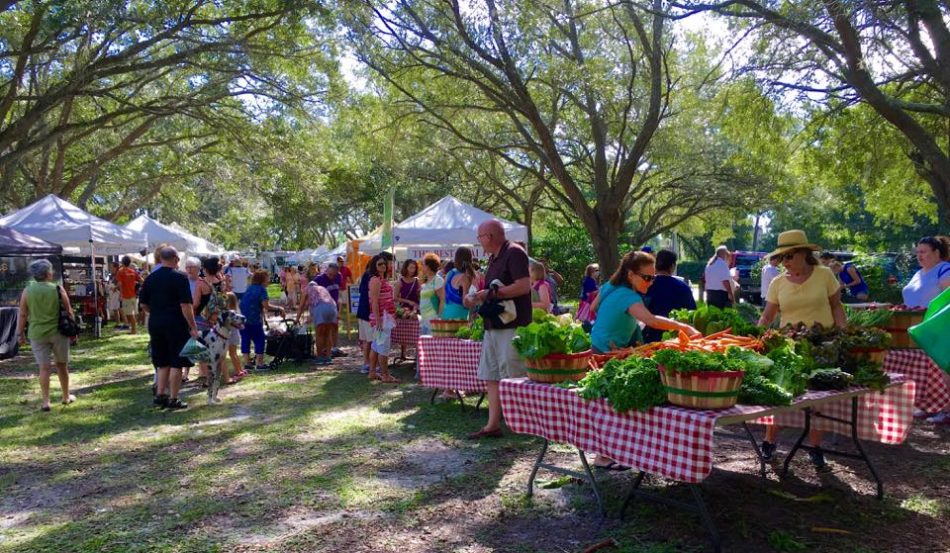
[374,376]
[69,399]
[389,379]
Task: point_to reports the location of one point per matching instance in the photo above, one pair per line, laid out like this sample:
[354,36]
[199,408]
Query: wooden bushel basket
[558,367]
[702,390]
[446,328]
[874,355]
[900,322]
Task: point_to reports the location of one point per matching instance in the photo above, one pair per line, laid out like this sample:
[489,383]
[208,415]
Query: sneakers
[768,450]
[324,360]
[337,352]
[262,368]
[160,401]
[176,404]
[364,369]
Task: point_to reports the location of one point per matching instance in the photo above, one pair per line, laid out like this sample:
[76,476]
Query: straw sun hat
[793,240]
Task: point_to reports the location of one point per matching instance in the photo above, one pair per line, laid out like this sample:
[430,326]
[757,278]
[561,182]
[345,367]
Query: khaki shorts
[499,358]
[130,306]
[54,345]
[366,331]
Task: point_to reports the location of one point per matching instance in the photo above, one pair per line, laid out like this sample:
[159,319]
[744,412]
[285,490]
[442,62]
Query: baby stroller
[288,340]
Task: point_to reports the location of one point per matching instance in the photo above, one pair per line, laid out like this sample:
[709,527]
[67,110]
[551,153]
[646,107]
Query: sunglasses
[646,278]
[788,256]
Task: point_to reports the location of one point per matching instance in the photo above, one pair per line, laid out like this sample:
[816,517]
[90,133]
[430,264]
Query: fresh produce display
[548,335]
[829,379]
[871,375]
[698,361]
[710,319]
[868,317]
[475,331]
[403,312]
[631,383]
[824,349]
[719,342]
[759,390]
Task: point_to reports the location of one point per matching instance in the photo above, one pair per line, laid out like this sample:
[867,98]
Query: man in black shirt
[509,265]
[166,297]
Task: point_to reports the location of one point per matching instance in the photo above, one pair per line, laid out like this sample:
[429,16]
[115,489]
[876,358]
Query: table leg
[798,443]
[586,475]
[861,453]
[755,446]
[432,399]
[697,506]
[704,515]
[480,399]
[534,469]
[630,496]
[459,395]
[593,482]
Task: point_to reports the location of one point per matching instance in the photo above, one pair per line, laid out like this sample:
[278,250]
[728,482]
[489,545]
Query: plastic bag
[937,304]
[931,335]
[195,351]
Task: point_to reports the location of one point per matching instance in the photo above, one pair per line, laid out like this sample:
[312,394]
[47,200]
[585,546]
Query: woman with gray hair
[39,305]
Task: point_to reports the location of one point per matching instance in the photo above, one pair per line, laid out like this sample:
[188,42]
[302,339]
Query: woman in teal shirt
[620,307]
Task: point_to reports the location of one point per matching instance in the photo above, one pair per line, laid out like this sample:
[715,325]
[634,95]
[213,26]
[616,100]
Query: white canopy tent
[449,222]
[203,246]
[173,235]
[56,220]
[371,244]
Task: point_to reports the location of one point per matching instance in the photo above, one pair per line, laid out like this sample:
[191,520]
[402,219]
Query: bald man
[507,263]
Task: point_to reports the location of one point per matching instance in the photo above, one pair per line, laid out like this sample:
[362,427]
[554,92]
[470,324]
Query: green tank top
[42,300]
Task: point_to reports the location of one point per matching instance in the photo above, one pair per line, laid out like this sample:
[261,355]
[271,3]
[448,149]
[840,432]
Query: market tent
[13,243]
[173,235]
[205,247]
[371,243]
[60,222]
[449,222]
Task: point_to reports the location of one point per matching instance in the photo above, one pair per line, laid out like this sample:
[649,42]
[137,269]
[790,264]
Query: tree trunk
[605,237]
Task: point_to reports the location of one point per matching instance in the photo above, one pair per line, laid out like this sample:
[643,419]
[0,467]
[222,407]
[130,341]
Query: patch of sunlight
[21,535]
[925,506]
[355,420]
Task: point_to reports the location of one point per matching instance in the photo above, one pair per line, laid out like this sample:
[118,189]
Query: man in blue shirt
[667,293]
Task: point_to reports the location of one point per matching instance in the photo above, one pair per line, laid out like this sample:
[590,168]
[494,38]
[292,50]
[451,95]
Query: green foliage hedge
[692,270]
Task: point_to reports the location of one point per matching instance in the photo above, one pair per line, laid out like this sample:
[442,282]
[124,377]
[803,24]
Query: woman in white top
[933,253]
[718,279]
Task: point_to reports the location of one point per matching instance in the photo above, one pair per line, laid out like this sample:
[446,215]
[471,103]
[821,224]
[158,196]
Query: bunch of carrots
[718,342]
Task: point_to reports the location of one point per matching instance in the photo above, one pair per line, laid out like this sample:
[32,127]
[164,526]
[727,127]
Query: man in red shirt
[128,278]
[345,272]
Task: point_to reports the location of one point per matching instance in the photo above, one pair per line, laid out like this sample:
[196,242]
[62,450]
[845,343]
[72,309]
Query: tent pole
[97,324]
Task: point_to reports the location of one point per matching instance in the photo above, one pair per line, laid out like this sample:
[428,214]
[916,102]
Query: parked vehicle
[749,287]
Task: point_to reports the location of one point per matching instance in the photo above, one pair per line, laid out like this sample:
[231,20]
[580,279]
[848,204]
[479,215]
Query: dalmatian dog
[217,341]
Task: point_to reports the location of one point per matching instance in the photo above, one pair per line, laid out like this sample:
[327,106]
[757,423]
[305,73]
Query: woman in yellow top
[806,292]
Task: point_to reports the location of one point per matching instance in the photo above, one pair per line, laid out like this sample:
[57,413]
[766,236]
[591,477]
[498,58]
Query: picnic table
[449,364]
[933,385]
[677,443]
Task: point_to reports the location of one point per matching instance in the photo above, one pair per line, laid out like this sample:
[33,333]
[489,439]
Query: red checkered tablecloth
[672,442]
[406,332]
[449,363]
[933,385]
[884,418]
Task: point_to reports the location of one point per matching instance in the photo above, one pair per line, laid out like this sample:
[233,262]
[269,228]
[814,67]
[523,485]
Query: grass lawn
[321,460]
